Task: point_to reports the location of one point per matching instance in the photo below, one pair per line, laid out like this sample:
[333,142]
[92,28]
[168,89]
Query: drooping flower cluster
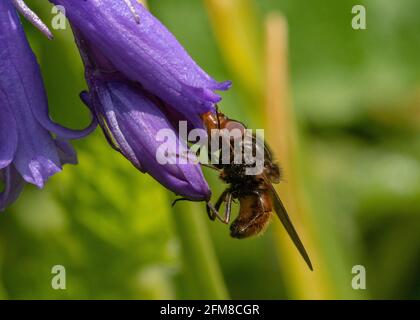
[140,81]
[28,151]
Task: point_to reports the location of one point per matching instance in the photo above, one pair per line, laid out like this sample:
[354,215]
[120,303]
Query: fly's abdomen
[254,216]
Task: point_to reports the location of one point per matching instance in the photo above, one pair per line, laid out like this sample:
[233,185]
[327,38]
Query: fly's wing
[271,169]
[287,223]
[273,172]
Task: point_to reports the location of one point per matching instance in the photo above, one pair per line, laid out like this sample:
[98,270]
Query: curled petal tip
[226,85]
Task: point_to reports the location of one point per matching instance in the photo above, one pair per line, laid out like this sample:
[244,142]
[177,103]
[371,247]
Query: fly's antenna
[133,10]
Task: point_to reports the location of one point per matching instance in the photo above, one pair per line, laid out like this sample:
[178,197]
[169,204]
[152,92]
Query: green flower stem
[200,265]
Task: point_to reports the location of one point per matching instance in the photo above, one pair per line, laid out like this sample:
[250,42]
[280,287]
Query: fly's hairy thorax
[240,183]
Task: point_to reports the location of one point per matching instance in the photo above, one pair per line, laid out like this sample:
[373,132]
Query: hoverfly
[255,193]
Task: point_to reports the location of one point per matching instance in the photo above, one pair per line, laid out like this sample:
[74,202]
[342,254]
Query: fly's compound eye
[235,125]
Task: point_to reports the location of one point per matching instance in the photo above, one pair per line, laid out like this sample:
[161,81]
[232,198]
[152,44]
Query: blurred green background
[355,114]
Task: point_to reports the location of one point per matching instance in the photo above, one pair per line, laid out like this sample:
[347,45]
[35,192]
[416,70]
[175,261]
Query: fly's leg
[228,208]
[225,197]
[213,211]
[221,199]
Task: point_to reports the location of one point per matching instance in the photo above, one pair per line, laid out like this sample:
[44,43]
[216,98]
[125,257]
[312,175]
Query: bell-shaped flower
[28,150]
[141,80]
[144,51]
[134,123]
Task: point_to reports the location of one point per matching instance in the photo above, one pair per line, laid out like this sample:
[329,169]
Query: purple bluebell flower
[141,80]
[131,119]
[144,51]
[28,151]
